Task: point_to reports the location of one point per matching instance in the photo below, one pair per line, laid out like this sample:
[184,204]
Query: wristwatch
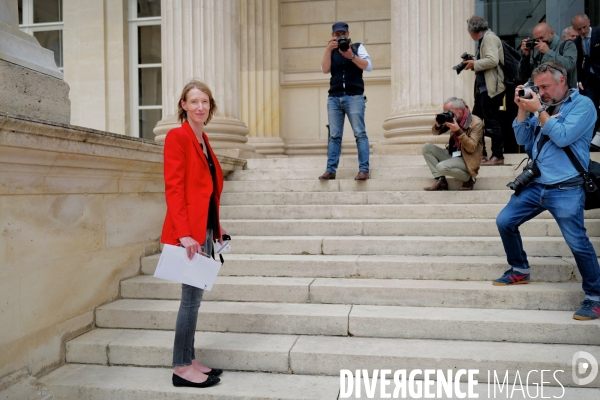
[353,55]
[538,112]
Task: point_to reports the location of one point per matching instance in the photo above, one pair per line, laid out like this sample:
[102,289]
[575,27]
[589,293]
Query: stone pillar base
[406,134]
[268,146]
[30,93]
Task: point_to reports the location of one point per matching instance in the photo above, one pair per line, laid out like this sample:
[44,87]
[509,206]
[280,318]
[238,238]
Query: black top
[213,218]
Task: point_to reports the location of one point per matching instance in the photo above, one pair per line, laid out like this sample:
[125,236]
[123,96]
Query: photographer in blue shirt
[551,182]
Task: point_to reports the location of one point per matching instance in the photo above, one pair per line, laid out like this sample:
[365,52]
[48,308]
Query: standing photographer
[489,84]
[551,182]
[346,61]
[546,46]
[462,158]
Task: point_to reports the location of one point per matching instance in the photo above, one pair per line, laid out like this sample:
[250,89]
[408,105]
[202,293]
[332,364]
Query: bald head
[581,24]
[544,32]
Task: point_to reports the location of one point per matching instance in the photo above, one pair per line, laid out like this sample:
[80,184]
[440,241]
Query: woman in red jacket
[193,185]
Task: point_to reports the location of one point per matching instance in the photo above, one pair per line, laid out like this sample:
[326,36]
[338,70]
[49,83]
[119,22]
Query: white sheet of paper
[174,265]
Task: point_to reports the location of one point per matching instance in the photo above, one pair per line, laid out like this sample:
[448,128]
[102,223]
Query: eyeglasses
[545,67]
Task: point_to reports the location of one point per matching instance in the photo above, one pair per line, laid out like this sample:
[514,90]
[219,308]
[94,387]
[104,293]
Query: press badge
[457,153]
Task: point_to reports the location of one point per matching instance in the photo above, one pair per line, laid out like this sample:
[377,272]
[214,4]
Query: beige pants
[441,164]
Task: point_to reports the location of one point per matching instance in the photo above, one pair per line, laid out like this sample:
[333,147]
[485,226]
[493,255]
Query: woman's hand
[191,246]
[223,232]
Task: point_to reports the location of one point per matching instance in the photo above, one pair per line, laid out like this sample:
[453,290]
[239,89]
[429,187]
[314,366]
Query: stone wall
[78,208]
[305,31]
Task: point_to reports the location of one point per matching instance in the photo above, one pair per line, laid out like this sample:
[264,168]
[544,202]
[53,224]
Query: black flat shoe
[180,382]
[214,372]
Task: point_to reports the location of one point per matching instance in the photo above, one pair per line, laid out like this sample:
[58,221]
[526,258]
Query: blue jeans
[354,108]
[565,203]
[185,327]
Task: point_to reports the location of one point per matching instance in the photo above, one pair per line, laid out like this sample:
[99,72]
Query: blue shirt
[573,126]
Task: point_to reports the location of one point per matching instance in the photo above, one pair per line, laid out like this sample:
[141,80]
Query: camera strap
[589,184]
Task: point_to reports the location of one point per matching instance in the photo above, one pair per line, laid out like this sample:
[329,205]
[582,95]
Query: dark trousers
[488,109]
[591,89]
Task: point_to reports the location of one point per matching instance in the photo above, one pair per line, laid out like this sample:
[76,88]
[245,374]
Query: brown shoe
[468,185]
[327,176]
[362,176]
[440,184]
[494,161]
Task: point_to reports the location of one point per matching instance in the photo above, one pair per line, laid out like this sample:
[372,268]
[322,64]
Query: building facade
[127,60]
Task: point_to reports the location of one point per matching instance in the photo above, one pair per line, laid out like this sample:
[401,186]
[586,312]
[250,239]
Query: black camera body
[343,43]
[531,43]
[446,116]
[530,172]
[465,56]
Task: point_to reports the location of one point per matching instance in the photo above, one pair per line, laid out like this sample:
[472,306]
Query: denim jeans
[565,203]
[185,327]
[354,108]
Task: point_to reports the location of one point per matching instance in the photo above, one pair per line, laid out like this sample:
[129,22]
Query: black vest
[346,77]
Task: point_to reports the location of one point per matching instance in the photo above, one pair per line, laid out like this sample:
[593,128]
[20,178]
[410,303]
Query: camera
[446,116]
[343,43]
[531,43]
[465,56]
[530,172]
[528,90]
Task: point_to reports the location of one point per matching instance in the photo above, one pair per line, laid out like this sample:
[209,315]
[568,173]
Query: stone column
[260,75]
[201,39]
[30,82]
[428,37]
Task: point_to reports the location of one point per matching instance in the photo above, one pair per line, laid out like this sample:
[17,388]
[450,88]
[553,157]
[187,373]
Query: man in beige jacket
[462,157]
[489,84]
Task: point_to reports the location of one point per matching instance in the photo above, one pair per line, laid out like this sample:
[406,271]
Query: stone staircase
[350,275]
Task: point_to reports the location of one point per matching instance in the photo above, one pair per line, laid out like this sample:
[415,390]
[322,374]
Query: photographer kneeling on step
[561,118]
[462,157]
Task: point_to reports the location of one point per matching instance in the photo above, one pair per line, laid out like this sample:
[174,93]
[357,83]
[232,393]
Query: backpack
[511,64]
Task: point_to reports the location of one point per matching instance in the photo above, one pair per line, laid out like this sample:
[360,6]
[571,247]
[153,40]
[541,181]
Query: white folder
[174,265]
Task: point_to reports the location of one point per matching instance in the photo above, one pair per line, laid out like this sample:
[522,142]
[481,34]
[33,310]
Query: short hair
[584,16]
[456,102]
[565,32]
[196,84]
[477,24]
[556,69]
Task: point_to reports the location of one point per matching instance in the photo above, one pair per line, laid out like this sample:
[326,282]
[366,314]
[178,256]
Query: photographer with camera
[346,61]
[561,117]
[545,47]
[489,84]
[462,157]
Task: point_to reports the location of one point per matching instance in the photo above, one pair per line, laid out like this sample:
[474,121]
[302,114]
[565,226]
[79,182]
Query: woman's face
[197,106]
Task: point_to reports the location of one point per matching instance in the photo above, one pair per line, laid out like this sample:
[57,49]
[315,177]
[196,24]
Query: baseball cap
[340,26]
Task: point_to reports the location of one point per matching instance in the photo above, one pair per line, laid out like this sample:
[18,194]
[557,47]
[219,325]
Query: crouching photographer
[462,157]
[561,118]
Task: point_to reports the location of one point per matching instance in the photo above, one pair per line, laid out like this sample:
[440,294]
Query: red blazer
[188,186]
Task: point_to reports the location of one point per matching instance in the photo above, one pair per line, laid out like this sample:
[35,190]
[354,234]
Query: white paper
[174,265]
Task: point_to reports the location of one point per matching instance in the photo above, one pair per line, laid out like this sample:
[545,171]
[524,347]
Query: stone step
[368,197]
[436,323]
[226,288]
[152,348]
[560,296]
[507,173]
[328,355]
[97,382]
[374,211]
[460,268]
[350,185]
[398,245]
[214,316]
[375,162]
[391,227]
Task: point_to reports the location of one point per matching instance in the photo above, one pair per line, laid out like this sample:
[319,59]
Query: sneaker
[590,309]
[511,277]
